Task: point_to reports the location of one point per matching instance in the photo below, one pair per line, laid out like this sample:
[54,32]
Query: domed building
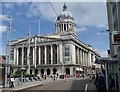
[65,22]
[59,53]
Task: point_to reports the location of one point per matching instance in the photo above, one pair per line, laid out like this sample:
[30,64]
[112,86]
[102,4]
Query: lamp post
[8,50]
[22,75]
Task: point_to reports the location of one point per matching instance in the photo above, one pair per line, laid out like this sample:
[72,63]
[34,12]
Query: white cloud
[8,5]
[18,13]
[53,1]
[82,29]
[84,13]
[5,17]
[85,16]
[103,53]
[2,28]
[98,33]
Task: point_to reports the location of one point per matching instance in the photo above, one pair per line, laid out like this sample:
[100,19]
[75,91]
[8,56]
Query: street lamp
[22,70]
[8,51]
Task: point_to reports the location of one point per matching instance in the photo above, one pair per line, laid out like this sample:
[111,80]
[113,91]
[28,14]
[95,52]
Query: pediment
[33,39]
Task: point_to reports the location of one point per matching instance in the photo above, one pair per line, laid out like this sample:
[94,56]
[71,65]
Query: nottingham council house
[59,53]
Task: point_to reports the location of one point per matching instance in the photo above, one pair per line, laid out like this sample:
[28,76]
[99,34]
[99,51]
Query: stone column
[39,55]
[78,55]
[61,53]
[89,58]
[17,57]
[45,55]
[62,27]
[57,54]
[33,55]
[73,52]
[85,58]
[23,54]
[66,26]
[51,54]
[81,56]
[14,61]
[35,52]
[93,58]
[83,61]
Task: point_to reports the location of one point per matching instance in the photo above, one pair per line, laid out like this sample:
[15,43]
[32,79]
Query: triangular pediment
[33,39]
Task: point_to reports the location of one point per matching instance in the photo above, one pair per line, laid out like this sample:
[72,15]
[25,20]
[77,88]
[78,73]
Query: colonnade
[65,27]
[48,54]
[84,57]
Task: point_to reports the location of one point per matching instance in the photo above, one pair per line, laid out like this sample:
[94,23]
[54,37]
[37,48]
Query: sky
[90,19]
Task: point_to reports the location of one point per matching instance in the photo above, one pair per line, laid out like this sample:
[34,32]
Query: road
[71,84]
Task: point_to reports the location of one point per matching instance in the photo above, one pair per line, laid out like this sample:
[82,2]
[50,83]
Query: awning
[103,60]
[79,69]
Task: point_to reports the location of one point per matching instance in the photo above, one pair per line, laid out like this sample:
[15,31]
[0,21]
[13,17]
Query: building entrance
[54,70]
[48,71]
[67,71]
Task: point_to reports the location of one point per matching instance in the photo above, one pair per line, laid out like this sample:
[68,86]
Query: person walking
[12,82]
[45,76]
[54,77]
[101,86]
[111,83]
[96,80]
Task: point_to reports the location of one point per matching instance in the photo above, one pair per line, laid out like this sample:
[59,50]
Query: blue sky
[90,19]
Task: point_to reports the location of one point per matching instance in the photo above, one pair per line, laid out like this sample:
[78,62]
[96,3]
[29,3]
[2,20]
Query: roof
[103,60]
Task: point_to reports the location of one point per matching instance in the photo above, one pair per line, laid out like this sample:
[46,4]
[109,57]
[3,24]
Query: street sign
[116,38]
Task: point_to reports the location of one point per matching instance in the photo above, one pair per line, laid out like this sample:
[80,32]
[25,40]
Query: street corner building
[62,52]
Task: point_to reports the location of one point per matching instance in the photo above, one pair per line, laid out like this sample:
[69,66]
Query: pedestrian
[38,76]
[54,77]
[66,77]
[45,76]
[111,83]
[101,83]
[12,82]
[96,80]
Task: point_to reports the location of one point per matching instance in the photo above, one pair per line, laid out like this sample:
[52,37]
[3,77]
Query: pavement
[26,85]
[37,83]
[91,87]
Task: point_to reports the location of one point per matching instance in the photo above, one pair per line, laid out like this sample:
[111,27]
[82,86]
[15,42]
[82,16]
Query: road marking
[86,86]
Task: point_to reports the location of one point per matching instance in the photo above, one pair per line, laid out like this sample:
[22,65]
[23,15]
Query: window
[66,50]
[64,27]
[67,53]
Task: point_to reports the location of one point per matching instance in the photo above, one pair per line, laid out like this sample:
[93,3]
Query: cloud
[53,1]
[18,13]
[83,15]
[44,10]
[103,53]
[8,5]
[98,33]
[2,28]
[5,17]
[82,29]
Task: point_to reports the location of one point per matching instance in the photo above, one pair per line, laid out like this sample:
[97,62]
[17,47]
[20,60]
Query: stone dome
[65,14]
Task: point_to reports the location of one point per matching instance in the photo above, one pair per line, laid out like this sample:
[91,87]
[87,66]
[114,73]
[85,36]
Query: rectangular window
[67,53]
